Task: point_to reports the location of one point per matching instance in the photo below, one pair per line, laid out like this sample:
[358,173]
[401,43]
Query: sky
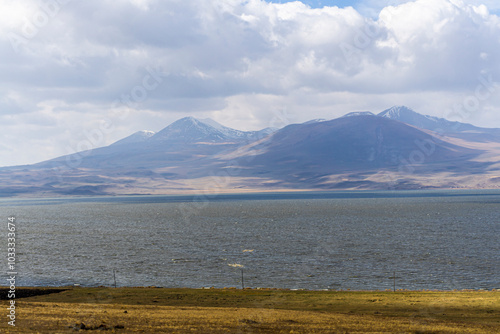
[77,74]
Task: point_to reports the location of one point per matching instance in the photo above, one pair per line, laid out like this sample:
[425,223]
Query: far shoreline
[197,196]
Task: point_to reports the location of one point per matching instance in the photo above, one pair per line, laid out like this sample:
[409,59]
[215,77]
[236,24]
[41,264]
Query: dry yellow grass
[150,310]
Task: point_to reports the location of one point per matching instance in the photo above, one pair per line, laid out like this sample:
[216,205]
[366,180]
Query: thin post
[242,280]
[114,277]
[394,281]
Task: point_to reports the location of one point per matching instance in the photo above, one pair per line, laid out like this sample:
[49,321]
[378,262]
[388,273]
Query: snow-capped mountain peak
[192,130]
[408,116]
[189,130]
[397,112]
[229,132]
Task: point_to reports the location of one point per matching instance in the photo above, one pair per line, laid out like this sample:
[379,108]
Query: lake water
[338,240]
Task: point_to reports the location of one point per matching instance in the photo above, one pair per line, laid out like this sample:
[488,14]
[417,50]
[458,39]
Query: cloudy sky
[74,72]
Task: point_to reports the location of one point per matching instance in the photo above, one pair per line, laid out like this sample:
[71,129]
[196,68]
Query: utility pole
[242,280]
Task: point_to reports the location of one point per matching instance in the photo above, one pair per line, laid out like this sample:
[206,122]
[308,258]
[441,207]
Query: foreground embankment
[161,310]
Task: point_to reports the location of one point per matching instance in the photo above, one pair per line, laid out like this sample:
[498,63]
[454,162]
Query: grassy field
[158,310]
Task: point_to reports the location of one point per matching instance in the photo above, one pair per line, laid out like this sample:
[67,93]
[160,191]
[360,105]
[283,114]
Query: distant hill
[185,140]
[396,149]
[308,154]
[351,144]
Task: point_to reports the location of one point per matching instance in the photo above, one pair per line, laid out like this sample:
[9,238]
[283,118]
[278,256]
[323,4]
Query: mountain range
[397,148]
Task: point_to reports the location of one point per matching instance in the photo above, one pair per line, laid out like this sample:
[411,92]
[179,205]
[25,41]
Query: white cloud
[233,60]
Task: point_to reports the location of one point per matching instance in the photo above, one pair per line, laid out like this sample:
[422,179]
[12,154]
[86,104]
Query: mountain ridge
[440,125]
[136,137]
[360,150]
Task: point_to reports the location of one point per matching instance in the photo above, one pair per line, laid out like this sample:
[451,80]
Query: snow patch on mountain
[137,137]
[359,113]
[317,120]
